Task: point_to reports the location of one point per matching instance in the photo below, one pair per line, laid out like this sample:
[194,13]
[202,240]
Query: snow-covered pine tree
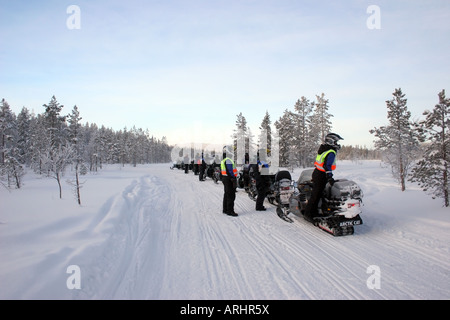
[397,141]
[39,141]
[7,128]
[265,137]
[163,151]
[54,122]
[135,146]
[285,127]
[304,147]
[321,120]
[74,134]
[11,170]
[58,152]
[124,146]
[24,139]
[107,146]
[92,154]
[432,171]
[241,139]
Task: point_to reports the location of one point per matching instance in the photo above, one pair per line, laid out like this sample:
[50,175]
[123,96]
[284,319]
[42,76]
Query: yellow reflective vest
[223,167]
[320,159]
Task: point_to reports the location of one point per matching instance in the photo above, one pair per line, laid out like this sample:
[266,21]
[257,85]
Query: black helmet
[331,139]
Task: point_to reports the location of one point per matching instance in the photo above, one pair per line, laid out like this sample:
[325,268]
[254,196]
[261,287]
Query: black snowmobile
[243,178]
[282,189]
[213,171]
[247,181]
[251,189]
[339,208]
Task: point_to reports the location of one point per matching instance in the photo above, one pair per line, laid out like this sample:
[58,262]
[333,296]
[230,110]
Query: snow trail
[161,234]
[178,245]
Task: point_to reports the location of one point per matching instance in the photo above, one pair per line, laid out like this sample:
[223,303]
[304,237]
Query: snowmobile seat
[343,189]
[282,175]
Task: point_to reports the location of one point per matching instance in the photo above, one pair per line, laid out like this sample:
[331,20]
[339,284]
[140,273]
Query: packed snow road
[161,234]
[172,242]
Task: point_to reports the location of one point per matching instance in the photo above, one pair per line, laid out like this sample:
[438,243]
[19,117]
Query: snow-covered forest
[300,132]
[415,150]
[50,142]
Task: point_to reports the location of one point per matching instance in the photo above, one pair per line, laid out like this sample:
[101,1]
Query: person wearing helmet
[324,165]
[229,180]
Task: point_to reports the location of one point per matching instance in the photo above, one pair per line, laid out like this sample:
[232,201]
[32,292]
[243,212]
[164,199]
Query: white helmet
[227,152]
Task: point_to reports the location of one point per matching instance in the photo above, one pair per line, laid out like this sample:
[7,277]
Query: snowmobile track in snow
[155,233]
[179,245]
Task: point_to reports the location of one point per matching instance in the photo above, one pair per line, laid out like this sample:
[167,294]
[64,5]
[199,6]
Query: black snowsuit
[202,176]
[319,179]
[262,185]
[186,164]
[229,186]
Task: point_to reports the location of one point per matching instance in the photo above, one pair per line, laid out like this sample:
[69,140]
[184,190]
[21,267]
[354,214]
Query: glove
[330,179]
[234,184]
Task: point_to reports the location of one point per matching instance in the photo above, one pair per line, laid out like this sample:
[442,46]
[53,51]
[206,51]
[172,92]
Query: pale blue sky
[185,69]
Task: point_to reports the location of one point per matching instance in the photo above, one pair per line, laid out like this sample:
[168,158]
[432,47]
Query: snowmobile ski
[284,216]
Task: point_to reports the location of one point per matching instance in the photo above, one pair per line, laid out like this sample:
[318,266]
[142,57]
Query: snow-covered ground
[154,233]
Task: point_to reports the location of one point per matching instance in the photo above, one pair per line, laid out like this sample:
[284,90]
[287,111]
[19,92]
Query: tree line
[50,142]
[417,151]
[299,133]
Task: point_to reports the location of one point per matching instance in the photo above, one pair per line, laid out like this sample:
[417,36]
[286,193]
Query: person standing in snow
[246,171]
[202,165]
[262,184]
[186,164]
[325,164]
[229,180]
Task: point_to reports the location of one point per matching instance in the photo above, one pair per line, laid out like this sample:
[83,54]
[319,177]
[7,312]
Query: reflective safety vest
[321,158]
[223,167]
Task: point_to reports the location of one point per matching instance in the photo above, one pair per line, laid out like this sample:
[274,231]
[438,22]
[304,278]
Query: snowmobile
[251,189]
[282,189]
[213,171]
[243,178]
[246,173]
[339,208]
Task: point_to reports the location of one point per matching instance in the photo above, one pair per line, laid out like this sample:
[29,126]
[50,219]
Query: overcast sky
[185,69]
